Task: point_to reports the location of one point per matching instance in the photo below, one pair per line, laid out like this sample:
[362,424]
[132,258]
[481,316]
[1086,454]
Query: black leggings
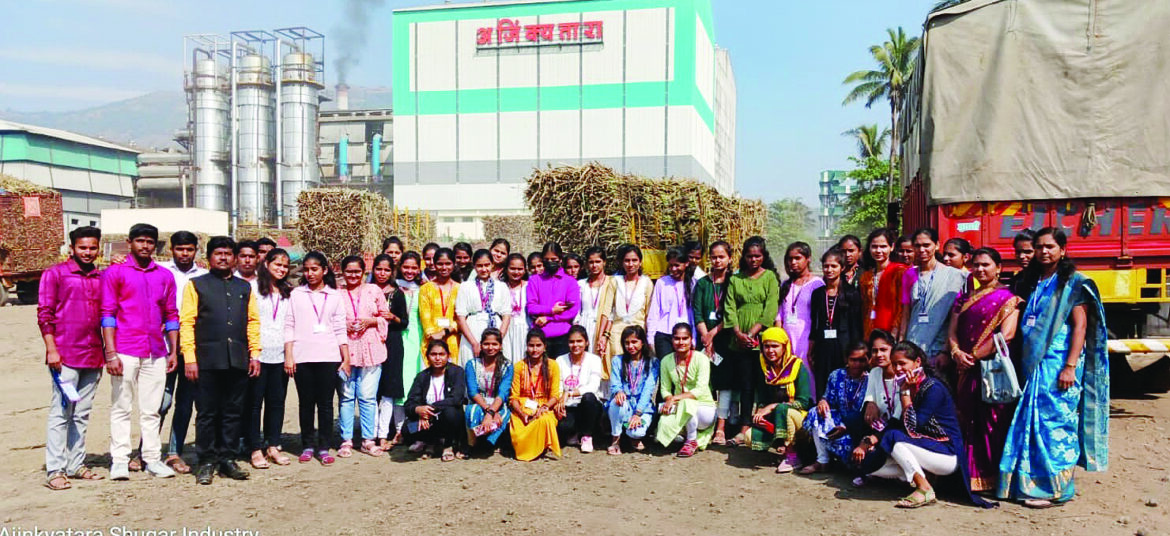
[449,429]
[580,419]
[266,394]
[316,383]
[663,345]
[558,346]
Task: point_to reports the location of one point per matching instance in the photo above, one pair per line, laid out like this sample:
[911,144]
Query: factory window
[467,219]
[92,223]
[73,221]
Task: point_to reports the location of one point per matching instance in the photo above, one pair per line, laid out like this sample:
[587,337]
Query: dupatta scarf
[980,314]
[789,362]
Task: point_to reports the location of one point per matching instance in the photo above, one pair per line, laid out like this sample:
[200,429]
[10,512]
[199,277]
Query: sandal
[346,449]
[688,449]
[913,501]
[258,460]
[58,482]
[720,438]
[614,450]
[811,468]
[368,447]
[277,456]
[738,441]
[639,446]
[325,457]
[176,462]
[135,464]
[306,456]
[86,474]
[1040,504]
[448,455]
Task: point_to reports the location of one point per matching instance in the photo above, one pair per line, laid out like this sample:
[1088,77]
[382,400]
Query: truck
[1027,114]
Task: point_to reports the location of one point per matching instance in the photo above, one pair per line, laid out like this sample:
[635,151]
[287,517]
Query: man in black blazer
[220,334]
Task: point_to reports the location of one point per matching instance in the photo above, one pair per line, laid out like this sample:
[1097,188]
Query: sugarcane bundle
[593,205]
[345,221]
[519,231]
[31,234]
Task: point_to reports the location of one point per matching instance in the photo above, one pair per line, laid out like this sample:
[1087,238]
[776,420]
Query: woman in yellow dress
[436,303]
[536,388]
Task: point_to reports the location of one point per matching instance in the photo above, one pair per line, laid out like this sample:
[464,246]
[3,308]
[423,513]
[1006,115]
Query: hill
[150,120]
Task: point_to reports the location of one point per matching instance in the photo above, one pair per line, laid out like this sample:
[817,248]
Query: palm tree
[895,62]
[870,143]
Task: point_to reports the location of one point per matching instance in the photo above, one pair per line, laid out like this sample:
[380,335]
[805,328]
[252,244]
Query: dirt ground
[716,492]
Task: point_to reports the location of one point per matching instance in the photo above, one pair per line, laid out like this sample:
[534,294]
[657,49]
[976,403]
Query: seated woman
[783,396]
[536,389]
[489,383]
[632,383]
[684,383]
[434,405]
[580,408]
[838,410]
[926,439]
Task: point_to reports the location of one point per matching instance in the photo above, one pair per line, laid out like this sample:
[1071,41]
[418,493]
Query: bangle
[1066,365]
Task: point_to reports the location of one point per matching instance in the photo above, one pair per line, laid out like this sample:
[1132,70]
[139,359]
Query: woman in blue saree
[1062,419]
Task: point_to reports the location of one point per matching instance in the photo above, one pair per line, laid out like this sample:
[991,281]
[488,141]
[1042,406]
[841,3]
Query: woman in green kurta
[753,297]
[409,280]
[683,384]
[783,397]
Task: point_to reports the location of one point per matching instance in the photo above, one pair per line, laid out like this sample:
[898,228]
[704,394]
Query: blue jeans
[362,387]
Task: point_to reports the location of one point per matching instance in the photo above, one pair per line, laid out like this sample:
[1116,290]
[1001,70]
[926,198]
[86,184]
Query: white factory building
[485,92]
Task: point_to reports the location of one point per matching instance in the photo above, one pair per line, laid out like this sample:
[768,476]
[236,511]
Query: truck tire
[27,292]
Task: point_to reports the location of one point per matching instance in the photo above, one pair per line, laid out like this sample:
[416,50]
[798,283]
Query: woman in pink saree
[976,317]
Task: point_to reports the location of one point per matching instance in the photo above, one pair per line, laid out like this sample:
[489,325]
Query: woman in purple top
[669,305]
[553,299]
[795,314]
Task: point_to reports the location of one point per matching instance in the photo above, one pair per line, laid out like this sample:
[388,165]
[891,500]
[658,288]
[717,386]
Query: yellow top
[190,311]
[434,305]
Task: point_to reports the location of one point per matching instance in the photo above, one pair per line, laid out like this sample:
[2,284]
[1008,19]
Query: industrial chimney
[342,97]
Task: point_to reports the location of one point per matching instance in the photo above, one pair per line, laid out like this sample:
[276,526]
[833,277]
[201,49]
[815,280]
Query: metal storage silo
[299,89]
[210,151]
[256,139]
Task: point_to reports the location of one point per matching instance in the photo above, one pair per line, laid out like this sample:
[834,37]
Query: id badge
[530,406]
[923,318]
[873,314]
[570,383]
[1030,322]
[716,359]
[319,328]
[712,316]
[444,322]
[830,334]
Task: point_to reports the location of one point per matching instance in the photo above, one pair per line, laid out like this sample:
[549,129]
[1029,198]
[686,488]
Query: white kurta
[516,339]
[469,305]
[587,317]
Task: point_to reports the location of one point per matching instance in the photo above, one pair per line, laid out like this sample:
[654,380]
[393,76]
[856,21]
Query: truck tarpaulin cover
[1043,99]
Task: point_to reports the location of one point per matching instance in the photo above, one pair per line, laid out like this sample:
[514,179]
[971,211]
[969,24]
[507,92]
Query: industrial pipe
[235,130]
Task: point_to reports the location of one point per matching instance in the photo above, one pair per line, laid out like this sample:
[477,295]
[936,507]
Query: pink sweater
[307,310]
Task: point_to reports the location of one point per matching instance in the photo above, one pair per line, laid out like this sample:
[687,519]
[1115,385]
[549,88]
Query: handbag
[998,375]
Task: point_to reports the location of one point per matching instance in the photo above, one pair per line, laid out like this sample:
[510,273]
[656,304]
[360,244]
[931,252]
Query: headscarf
[789,362]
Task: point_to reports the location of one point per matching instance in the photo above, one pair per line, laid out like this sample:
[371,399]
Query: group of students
[875,363]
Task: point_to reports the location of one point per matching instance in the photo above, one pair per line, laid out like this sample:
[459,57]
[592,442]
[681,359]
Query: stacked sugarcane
[31,234]
[517,230]
[344,221]
[583,206]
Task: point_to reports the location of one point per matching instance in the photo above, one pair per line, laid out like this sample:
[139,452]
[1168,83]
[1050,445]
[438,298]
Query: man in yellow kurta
[219,326]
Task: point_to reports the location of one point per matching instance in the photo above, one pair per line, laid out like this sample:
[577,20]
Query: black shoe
[232,471]
[205,473]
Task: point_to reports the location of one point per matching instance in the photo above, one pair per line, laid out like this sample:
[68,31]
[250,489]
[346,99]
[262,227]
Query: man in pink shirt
[138,305]
[67,314]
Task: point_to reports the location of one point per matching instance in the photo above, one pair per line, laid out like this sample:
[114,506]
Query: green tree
[789,220]
[865,208]
[895,61]
[870,143]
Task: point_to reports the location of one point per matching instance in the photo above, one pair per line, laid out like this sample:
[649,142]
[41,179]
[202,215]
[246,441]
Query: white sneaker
[586,444]
[159,470]
[120,471]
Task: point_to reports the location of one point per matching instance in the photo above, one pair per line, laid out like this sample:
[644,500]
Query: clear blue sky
[789,59]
